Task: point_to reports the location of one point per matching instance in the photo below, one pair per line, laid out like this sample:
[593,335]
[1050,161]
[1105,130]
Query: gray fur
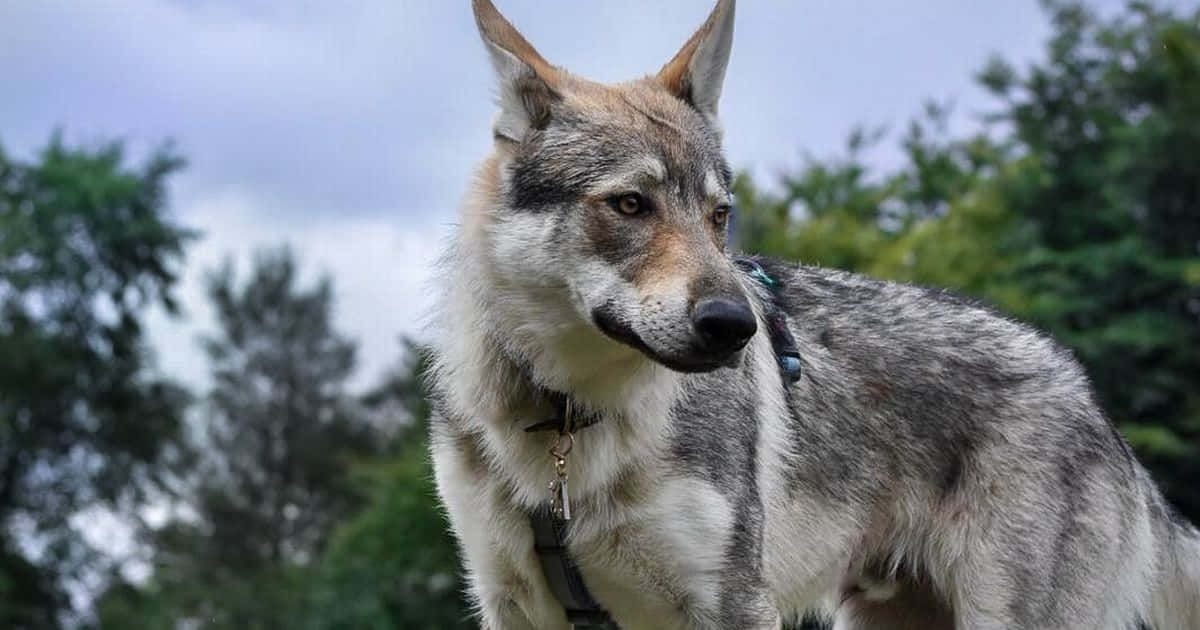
[937,465]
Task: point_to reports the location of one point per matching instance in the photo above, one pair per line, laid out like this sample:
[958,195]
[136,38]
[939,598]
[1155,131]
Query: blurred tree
[124,606]
[1109,128]
[394,565]
[280,433]
[86,246]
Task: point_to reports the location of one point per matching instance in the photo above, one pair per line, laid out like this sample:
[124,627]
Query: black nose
[723,325]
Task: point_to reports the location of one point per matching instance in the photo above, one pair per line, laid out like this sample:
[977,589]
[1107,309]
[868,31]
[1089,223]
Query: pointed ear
[528,83]
[697,71]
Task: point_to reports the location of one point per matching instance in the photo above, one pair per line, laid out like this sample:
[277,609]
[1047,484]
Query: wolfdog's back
[970,450]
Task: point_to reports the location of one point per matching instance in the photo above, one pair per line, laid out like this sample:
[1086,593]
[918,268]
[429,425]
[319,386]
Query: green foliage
[30,597]
[393,566]
[86,245]
[127,607]
[1115,118]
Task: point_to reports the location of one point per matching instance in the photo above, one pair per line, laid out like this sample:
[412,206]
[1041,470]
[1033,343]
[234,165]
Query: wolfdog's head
[608,204]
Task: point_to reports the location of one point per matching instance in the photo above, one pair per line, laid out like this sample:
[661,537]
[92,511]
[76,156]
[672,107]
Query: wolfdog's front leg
[683,559]
[496,543]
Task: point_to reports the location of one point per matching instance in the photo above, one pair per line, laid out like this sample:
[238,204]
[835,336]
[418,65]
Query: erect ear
[696,72]
[528,83]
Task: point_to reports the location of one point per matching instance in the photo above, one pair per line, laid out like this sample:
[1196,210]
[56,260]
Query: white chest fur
[651,549]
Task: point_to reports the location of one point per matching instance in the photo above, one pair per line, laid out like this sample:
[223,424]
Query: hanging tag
[560,498]
[564,500]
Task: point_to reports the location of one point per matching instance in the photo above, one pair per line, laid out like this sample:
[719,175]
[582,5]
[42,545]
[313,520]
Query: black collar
[581,417]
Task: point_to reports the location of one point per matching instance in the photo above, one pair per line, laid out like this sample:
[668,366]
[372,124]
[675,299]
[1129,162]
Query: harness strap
[550,537]
[562,574]
[786,352]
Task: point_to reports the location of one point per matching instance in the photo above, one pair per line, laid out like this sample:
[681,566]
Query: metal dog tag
[560,500]
[564,501]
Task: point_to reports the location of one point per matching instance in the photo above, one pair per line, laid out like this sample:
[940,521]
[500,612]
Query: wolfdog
[931,465]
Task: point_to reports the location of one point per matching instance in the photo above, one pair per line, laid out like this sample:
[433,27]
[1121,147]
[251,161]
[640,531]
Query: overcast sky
[350,129]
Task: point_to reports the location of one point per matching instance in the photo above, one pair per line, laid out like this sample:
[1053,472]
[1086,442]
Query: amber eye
[629,204]
[721,215]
